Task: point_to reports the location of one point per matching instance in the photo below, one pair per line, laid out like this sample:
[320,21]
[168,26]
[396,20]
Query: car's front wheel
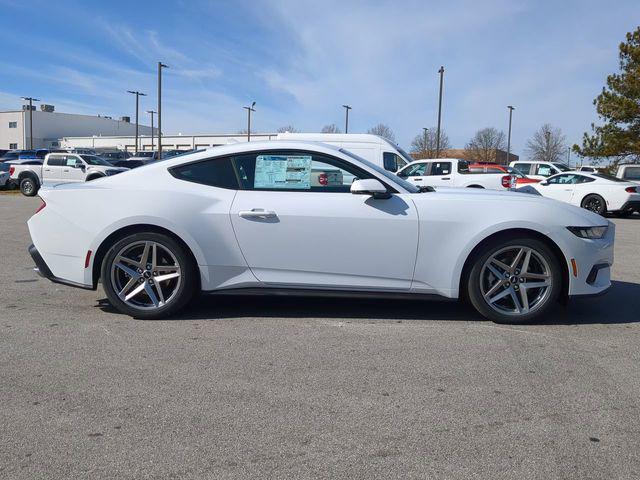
[148,275]
[514,281]
[594,203]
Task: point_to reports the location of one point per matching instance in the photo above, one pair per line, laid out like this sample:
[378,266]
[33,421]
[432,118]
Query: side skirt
[314,292]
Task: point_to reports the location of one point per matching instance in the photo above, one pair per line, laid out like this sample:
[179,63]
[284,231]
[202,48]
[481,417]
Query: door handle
[257,213]
[417,179]
[65,170]
[446,178]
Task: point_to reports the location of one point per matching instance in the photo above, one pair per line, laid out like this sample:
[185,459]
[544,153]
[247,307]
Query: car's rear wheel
[28,187]
[594,203]
[148,275]
[514,281]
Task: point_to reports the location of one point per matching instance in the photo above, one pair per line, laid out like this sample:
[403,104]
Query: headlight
[588,232]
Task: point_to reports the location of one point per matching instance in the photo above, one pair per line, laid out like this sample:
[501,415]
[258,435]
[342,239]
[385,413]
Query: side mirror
[370,186]
[544,183]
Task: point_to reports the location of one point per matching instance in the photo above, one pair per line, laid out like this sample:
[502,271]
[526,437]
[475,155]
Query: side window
[392,161]
[562,179]
[544,170]
[72,160]
[440,168]
[215,172]
[295,171]
[523,168]
[56,161]
[416,170]
[583,179]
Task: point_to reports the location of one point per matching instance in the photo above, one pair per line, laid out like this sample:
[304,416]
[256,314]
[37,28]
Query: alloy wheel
[593,204]
[516,280]
[146,275]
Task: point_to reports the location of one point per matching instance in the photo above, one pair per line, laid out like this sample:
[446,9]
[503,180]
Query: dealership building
[49,127]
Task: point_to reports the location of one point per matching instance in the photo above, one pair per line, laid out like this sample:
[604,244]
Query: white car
[453,172]
[246,218]
[629,172]
[539,170]
[597,192]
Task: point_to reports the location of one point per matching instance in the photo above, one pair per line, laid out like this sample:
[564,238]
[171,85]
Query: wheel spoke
[167,268]
[159,290]
[130,261]
[535,276]
[535,284]
[151,293]
[500,264]
[524,296]
[168,276]
[516,301]
[146,253]
[127,270]
[516,260]
[154,256]
[132,281]
[493,289]
[134,292]
[525,262]
[502,294]
[496,272]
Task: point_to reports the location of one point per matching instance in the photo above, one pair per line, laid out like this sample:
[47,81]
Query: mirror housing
[370,186]
[544,183]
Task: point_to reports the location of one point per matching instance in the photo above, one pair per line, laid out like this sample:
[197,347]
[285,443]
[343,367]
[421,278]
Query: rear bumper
[44,271]
[631,206]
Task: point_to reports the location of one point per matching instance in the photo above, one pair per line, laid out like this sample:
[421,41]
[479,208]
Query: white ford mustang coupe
[278,217]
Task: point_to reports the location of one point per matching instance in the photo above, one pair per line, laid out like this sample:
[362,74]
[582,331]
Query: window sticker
[283,171]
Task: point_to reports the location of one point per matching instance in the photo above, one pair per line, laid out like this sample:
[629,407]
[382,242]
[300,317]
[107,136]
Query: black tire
[473,280]
[29,187]
[594,203]
[183,293]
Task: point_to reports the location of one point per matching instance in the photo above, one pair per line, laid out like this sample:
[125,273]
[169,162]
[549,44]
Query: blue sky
[301,60]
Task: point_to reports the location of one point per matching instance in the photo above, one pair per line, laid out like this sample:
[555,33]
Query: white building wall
[180,142]
[50,127]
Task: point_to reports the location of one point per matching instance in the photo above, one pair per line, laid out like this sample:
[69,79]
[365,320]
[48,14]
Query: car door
[439,174]
[74,169]
[52,168]
[560,187]
[415,173]
[294,231]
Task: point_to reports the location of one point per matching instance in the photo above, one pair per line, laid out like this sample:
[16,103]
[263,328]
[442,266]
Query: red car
[494,168]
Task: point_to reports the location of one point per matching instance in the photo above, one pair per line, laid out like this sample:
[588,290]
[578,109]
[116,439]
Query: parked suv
[61,168]
[539,170]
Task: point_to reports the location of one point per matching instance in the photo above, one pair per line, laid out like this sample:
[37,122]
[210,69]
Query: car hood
[518,206]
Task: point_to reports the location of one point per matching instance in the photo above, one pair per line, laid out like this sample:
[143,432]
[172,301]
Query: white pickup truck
[60,168]
[453,172]
[629,172]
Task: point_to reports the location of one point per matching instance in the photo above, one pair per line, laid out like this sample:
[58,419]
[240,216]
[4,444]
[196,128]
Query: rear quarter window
[215,172]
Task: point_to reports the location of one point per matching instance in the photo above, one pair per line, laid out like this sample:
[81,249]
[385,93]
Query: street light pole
[346,118]
[424,138]
[137,94]
[547,146]
[31,100]
[441,72]
[568,156]
[511,109]
[249,110]
[151,112]
[160,67]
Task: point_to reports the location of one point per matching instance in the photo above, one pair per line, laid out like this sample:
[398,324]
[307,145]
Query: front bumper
[44,271]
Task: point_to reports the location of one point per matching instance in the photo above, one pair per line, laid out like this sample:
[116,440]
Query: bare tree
[424,145]
[548,144]
[331,128]
[383,131]
[287,128]
[482,147]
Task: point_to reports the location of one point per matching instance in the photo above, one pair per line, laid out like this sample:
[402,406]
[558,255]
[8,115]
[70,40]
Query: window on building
[13,124]
[13,146]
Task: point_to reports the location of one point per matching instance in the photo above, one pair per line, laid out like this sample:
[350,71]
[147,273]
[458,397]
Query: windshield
[93,160]
[409,187]
[562,167]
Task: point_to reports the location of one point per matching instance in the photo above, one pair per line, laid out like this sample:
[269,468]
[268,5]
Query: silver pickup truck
[61,168]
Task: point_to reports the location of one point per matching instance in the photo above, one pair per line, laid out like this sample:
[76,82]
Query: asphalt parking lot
[313,388]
